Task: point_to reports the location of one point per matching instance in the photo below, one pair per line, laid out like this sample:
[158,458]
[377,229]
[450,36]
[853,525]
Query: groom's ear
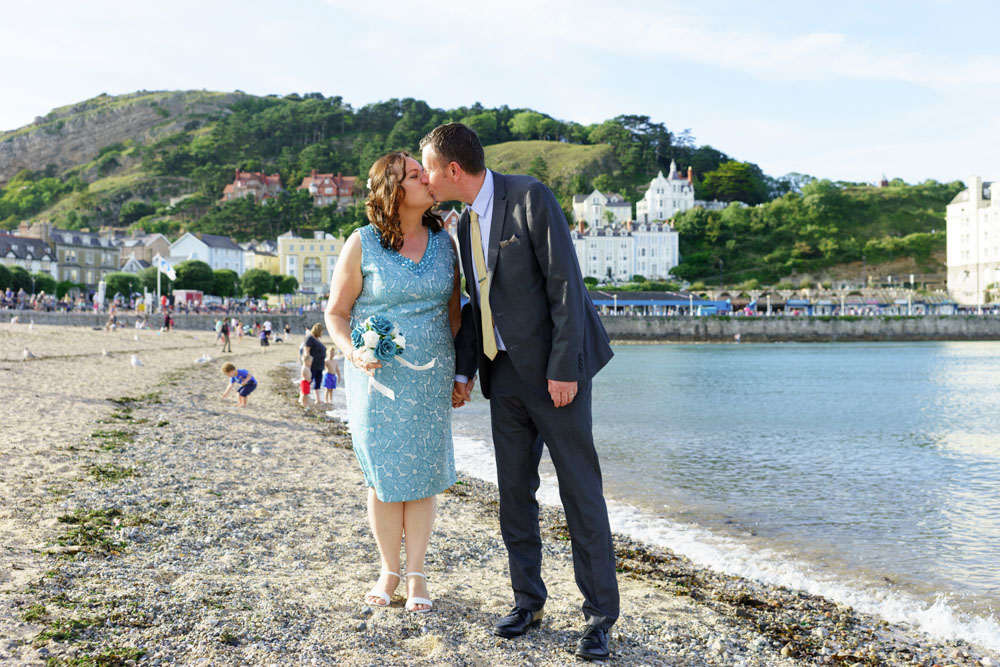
[454,170]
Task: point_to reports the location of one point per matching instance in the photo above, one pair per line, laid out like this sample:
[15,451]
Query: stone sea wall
[806,329]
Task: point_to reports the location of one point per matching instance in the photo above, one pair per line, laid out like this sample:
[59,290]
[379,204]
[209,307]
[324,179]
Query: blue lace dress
[404,446]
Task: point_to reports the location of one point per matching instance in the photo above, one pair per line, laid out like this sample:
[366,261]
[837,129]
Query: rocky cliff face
[73,135]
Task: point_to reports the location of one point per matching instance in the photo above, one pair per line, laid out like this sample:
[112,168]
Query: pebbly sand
[144,520]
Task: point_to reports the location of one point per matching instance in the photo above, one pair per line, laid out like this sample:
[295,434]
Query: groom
[534,337]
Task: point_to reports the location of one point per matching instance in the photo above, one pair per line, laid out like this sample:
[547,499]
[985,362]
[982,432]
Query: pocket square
[513,239]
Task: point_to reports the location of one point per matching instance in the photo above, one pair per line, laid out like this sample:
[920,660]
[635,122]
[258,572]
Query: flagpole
[158,272]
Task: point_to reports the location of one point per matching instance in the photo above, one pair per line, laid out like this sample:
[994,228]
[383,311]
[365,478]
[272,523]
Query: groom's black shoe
[593,645]
[517,622]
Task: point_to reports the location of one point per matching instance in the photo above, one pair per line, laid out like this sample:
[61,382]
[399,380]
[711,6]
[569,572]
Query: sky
[848,90]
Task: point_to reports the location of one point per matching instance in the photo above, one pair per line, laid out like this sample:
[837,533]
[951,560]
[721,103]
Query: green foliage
[122,283]
[134,210]
[5,277]
[225,283]
[25,195]
[735,181]
[823,225]
[148,279]
[590,281]
[539,169]
[20,279]
[63,287]
[285,284]
[194,274]
[257,282]
[44,282]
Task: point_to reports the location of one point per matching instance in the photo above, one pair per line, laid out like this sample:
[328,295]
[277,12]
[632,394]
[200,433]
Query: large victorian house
[254,184]
[327,189]
[666,196]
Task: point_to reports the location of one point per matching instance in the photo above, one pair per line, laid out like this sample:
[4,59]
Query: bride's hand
[368,368]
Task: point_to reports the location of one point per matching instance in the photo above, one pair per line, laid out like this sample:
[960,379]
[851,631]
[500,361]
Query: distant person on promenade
[400,269]
[242,378]
[532,333]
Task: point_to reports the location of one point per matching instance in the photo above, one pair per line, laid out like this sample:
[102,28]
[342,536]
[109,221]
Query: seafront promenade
[637,328]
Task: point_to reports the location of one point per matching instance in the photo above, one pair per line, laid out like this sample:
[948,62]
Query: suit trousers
[523,419]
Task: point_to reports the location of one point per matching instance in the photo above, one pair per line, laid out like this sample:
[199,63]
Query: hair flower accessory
[380,340]
[368,184]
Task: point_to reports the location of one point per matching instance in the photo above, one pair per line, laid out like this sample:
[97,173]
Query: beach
[145,520]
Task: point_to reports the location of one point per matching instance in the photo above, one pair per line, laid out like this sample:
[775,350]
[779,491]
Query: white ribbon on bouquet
[389,393]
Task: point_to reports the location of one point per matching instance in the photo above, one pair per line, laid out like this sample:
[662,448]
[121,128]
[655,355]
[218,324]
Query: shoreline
[191,530]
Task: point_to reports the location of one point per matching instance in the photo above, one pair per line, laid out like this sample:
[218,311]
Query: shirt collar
[482,201]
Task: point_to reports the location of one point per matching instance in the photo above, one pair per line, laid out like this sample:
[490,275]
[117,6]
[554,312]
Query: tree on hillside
[735,181]
[134,210]
[485,125]
[5,277]
[539,169]
[195,275]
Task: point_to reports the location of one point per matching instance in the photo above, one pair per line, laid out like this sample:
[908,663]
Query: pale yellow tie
[489,340]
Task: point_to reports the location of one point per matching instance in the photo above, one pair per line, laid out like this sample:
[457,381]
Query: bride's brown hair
[385,193]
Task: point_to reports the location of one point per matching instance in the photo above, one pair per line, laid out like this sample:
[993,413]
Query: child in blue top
[241,377]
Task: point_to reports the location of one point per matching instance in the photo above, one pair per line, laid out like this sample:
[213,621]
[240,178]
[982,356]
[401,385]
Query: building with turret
[666,196]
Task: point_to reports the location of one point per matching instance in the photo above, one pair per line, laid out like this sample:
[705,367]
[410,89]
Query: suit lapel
[496,223]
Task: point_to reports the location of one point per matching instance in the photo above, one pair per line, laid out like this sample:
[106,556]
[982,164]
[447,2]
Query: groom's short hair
[455,142]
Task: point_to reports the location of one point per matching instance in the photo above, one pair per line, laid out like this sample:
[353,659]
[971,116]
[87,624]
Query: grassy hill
[563,160]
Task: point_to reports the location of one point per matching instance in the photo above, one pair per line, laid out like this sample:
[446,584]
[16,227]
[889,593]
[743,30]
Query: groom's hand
[461,393]
[562,393]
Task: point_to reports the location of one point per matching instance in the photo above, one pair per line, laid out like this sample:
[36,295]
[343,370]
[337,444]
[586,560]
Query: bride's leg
[418,520]
[386,520]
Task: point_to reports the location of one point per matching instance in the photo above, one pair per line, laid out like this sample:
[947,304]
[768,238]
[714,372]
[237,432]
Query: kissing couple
[529,331]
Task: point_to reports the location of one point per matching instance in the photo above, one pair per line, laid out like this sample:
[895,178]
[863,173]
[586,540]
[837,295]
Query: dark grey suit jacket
[540,305]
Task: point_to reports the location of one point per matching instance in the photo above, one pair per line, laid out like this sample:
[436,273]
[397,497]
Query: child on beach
[331,376]
[305,379]
[242,377]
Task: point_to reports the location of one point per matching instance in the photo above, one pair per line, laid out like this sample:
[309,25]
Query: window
[290,263]
[311,272]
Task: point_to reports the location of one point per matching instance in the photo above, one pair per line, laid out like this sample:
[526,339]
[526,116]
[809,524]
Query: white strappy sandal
[381,595]
[414,601]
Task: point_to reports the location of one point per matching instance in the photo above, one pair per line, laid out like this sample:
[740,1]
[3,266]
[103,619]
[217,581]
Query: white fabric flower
[370,338]
[368,357]
[369,184]
[399,340]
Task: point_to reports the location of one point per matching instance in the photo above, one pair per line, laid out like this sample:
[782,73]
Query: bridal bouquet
[380,340]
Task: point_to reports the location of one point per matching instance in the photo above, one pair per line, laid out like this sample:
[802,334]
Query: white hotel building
[618,252]
[973,238]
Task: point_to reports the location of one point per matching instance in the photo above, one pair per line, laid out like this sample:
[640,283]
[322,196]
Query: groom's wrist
[461,379]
